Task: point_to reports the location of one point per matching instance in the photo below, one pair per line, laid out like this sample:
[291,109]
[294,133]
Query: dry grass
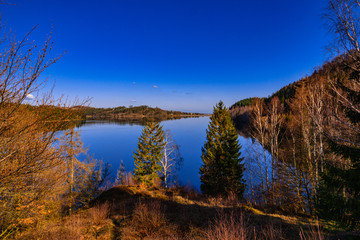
[231,200]
[313,233]
[100,212]
[187,191]
[232,226]
[145,214]
[149,222]
[237,226]
[270,232]
[136,213]
[91,224]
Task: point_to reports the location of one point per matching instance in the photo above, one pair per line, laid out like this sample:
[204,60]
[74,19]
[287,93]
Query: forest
[310,130]
[138,113]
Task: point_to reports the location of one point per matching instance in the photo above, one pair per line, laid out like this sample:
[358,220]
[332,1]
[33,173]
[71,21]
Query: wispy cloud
[132,100]
[155,86]
[133,83]
[30,97]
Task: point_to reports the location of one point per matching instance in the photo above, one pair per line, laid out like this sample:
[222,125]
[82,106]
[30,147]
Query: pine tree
[222,170]
[148,154]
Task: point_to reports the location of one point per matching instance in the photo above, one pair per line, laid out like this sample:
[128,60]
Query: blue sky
[174,54]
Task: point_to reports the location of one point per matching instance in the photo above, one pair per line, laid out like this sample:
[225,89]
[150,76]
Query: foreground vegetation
[311,130]
[40,177]
[134,212]
[311,169]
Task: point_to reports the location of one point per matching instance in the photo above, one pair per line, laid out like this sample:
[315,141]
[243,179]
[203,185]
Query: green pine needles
[148,154]
[222,170]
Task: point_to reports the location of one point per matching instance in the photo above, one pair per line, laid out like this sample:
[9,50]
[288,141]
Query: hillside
[132,212]
[312,126]
[134,113]
[241,110]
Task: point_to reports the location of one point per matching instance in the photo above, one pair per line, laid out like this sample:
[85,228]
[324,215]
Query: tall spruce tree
[222,170]
[148,154]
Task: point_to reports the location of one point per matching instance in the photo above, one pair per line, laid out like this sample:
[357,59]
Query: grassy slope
[188,215]
[132,212]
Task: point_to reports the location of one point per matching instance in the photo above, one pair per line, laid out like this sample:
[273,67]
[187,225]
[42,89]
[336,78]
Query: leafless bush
[129,179]
[229,226]
[230,200]
[270,232]
[149,222]
[149,217]
[313,233]
[188,191]
[100,212]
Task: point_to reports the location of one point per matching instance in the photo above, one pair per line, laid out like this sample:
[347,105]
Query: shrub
[149,222]
[229,226]
[100,212]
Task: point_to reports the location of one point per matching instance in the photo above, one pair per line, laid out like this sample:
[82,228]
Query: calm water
[114,141]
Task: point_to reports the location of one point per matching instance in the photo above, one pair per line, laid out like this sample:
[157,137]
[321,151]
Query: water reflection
[113,141]
[106,122]
[132,122]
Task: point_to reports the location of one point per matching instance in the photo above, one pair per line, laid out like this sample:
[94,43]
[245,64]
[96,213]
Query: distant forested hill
[134,113]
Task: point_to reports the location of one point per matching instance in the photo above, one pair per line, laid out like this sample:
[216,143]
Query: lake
[112,142]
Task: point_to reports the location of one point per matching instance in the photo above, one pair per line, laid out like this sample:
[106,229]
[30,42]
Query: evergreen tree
[222,170]
[148,154]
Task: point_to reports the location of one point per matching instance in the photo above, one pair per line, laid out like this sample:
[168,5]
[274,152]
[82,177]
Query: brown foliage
[91,224]
[149,222]
[100,212]
[31,175]
[232,226]
[313,233]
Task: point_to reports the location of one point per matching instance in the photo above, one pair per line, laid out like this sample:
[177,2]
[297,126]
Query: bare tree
[71,146]
[31,175]
[344,21]
[343,132]
[260,132]
[254,165]
[274,128]
[121,174]
[171,159]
